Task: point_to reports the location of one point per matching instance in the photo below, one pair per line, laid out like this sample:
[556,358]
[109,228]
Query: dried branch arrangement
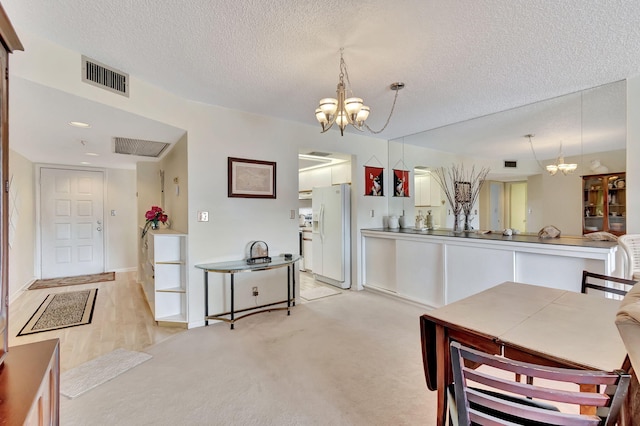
[461,187]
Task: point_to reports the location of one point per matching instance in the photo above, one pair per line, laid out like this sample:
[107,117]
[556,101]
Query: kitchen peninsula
[437,267]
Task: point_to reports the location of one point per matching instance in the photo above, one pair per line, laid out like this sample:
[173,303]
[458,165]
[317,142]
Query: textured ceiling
[458,59]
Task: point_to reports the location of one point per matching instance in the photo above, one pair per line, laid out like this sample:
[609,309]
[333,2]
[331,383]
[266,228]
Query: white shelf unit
[162,272]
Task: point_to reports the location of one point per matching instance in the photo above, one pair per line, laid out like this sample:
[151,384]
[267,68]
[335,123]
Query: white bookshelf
[162,273]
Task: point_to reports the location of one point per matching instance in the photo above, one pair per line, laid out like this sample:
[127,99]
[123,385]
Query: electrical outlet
[254,290]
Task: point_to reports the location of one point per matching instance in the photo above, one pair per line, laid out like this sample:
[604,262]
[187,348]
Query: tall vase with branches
[462,189]
[447,178]
[475,181]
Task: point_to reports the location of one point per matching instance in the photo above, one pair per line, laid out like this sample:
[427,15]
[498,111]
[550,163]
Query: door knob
[99,228]
[99,222]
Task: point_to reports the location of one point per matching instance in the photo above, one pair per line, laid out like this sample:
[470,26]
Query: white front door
[71,222]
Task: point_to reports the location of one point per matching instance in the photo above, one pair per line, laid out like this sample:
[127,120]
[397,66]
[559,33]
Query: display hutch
[604,203]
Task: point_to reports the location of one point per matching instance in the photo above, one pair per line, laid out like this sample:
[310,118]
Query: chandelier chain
[534,153]
[393,106]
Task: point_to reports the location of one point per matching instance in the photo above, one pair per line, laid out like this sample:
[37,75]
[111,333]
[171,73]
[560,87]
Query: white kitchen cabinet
[162,272]
[341,173]
[310,179]
[427,191]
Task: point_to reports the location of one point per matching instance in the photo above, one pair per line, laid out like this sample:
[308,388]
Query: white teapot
[393,222]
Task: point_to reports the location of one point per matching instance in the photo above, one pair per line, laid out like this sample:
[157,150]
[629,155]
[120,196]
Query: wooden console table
[30,384]
[524,322]
[237,266]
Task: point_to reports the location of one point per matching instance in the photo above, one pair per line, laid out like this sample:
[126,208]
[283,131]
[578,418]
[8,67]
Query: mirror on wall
[587,128]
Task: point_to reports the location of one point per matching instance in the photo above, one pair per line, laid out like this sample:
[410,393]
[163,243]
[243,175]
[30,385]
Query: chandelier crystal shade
[344,111]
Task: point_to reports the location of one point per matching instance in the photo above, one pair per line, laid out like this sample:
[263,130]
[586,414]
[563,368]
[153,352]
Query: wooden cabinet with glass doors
[604,203]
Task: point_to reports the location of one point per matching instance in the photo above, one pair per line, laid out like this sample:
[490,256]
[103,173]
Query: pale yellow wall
[22,249]
[147,188]
[174,165]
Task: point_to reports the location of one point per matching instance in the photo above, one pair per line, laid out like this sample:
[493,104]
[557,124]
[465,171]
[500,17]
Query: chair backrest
[630,243]
[489,404]
[599,282]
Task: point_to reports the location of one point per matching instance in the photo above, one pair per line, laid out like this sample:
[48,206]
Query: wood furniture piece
[591,280]
[500,399]
[240,266]
[438,267]
[513,320]
[10,43]
[630,243]
[30,384]
[162,272]
[604,203]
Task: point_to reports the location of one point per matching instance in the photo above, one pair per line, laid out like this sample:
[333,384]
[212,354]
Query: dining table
[524,322]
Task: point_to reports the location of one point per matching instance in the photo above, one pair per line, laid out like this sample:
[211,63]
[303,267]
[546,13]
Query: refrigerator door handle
[321,222]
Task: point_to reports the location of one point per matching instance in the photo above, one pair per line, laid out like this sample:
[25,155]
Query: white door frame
[38,255]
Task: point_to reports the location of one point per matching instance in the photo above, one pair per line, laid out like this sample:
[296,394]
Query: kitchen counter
[574,241]
[437,267]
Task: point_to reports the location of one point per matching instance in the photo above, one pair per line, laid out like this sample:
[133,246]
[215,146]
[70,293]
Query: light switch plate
[203,216]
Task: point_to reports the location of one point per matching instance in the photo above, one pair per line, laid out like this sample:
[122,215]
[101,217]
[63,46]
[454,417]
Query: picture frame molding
[240,179]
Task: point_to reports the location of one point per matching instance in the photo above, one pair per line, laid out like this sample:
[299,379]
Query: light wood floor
[121,319]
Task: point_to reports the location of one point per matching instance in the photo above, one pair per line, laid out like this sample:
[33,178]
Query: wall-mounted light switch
[113,212]
[372,213]
[292,214]
[203,216]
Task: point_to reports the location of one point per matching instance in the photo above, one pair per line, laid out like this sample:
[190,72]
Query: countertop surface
[573,241]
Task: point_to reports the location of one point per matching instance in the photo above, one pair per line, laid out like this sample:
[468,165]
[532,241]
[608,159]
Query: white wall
[120,240]
[214,134]
[22,249]
[121,245]
[633,154]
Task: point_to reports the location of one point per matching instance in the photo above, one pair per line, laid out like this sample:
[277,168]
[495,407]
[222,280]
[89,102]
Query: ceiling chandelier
[351,110]
[559,165]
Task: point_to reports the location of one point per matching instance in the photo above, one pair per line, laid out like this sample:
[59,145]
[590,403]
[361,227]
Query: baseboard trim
[399,297]
[14,296]
[134,269]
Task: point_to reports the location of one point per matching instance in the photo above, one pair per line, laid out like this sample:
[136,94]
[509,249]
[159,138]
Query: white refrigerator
[331,229]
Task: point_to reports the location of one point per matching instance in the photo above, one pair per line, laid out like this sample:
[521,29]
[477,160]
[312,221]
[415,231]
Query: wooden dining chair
[484,396]
[591,280]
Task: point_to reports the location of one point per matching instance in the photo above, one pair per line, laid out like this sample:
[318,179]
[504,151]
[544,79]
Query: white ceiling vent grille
[139,147]
[105,77]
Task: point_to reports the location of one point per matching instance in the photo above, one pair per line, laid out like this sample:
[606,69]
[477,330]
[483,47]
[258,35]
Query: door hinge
[6,186]
[6,73]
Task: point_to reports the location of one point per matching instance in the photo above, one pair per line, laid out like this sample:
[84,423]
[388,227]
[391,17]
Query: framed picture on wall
[400,183]
[373,181]
[251,178]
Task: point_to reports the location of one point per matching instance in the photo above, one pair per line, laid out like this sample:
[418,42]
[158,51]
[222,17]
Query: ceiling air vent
[100,75]
[139,147]
[510,164]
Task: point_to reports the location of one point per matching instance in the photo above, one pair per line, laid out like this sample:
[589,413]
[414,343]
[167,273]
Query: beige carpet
[317,293]
[350,360]
[80,279]
[62,310]
[87,376]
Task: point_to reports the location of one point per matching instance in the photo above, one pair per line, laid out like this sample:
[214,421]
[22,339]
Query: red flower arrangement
[153,216]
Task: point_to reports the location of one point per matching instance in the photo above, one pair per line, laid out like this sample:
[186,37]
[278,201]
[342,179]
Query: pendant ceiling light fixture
[559,165]
[351,110]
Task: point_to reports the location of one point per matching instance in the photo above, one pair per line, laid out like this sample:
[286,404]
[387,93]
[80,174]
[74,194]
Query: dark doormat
[80,279]
[62,310]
